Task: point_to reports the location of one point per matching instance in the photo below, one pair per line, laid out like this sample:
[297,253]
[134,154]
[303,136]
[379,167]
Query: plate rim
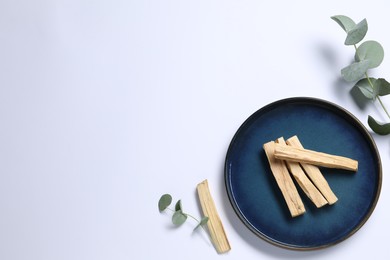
[347,116]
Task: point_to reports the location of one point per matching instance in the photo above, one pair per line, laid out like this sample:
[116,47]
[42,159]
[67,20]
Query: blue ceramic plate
[321,126]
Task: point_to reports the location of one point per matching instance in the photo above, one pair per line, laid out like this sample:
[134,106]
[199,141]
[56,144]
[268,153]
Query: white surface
[106,105]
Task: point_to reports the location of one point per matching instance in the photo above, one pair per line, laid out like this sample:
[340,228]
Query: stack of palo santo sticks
[289,158]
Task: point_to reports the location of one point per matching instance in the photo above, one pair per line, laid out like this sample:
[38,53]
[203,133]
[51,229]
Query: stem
[188,215]
[378,97]
[369,81]
[383,106]
[355,49]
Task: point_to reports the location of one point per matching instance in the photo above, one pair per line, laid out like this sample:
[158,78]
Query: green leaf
[345,22]
[364,86]
[179,218]
[372,51]
[178,205]
[357,33]
[377,127]
[202,222]
[355,71]
[382,87]
[164,202]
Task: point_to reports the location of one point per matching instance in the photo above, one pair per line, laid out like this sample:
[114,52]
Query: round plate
[321,126]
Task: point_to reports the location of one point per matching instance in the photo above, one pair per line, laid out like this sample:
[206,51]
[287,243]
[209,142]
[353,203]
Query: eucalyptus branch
[179,216]
[368,55]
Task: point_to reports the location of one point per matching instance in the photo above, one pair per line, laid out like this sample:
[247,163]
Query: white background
[106,105]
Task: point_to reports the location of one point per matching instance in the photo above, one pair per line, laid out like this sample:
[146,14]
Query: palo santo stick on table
[284,181]
[290,153]
[303,181]
[214,224]
[315,174]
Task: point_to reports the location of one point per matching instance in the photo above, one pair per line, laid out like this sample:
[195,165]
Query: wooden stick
[284,181]
[315,174]
[303,181]
[290,153]
[214,224]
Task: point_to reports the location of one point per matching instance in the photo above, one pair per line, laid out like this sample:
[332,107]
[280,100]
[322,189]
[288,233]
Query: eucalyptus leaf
[365,88]
[355,71]
[382,87]
[178,218]
[164,202]
[372,51]
[344,21]
[377,127]
[357,33]
[178,205]
[202,222]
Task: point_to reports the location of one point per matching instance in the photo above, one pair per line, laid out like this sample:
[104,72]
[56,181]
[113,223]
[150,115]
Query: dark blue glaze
[321,126]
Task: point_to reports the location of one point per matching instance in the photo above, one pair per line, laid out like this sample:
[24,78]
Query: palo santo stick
[284,181]
[303,181]
[289,153]
[214,224]
[315,174]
